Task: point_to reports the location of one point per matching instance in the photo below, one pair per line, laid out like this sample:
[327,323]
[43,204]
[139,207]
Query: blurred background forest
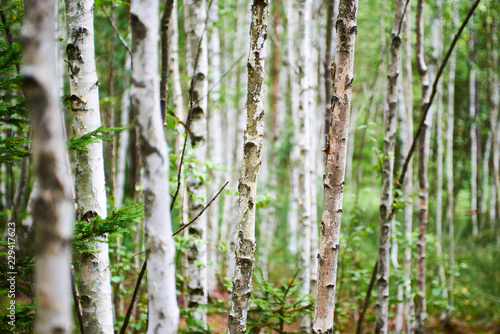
[474,236]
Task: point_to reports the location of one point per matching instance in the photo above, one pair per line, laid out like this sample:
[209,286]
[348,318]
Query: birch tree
[163,315]
[436,40]
[303,132]
[53,209]
[390,123]
[95,284]
[333,178]
[423,151]
[294,107]
[408,184]
[215,140]
[473,135]
[494,122]
[195,20]
[252,147]
[450,118]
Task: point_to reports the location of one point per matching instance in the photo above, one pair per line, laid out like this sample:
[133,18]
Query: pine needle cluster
[80,143]
[96,229]
[13,109]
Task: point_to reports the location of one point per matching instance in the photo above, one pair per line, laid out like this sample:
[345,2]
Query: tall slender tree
[450,118]
[423,151]
[494,122]
[436,41]
[215,139]
[252,147]
[195,20]
[95,276]
[390,123]
[333,178]
[408,184]
[53,209]
[473,134]
[303,133]
[163,315]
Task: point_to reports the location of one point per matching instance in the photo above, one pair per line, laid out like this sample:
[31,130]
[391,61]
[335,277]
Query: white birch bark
[123,138]
[473,135]
[252,147]
[294,106]
[333,178]
[495,122]
[436,39]
[53,210]
[95,284]
[486,176]
[402,134]
[423,150]
[449,166]
[195,18]
[386,219]
[303,133]
[163,316]
[408,185]
[215,142]
[235,156]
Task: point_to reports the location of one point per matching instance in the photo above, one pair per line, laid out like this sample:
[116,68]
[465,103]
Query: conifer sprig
[94,230]
[80,143]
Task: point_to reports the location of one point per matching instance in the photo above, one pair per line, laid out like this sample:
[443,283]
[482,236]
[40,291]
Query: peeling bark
[163,316]
[53,210]
[333,179]
[95,276]
[252,147]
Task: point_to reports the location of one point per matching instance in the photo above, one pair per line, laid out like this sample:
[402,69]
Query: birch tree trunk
[235,154]
[163,315]
[53,210]
[95,284]
[402,134]
[331,15]
[195,17]
[294,106]
[303,134]
[436,39]
[408,185]
[473,135]
[494,121]
[252,147]
[333,178]
[423,150]
[390,123]
[486,176]
[449,166]
[215,142]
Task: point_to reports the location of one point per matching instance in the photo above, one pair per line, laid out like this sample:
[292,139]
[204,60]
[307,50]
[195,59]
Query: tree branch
[113,25]
[440,71]
[144,265]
